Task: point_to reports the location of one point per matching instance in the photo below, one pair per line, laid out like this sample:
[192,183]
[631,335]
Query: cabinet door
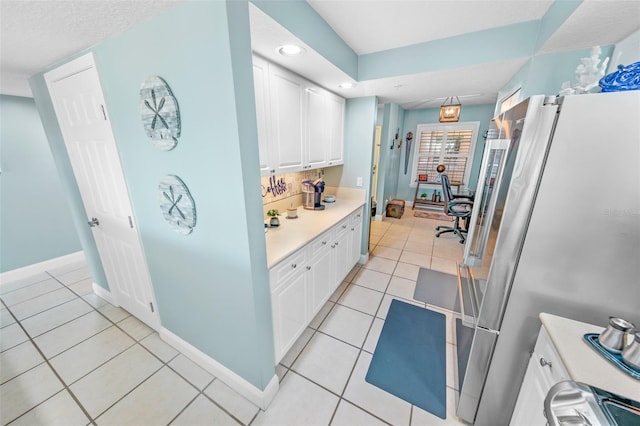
[287,97]
[317,132]
[290,311]
[261,87]
[529,408]
[320,280]
[354,246]
[336,130]
[341,258]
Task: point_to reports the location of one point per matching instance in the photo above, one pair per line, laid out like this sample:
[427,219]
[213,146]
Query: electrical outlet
[359,181]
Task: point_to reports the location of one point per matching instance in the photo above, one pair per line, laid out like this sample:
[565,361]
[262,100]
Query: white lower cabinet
[303,282]
[544,370]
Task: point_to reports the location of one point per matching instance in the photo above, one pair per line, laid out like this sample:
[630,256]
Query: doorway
[83,118]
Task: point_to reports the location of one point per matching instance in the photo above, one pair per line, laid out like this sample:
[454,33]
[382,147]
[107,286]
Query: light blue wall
[211,286]
[359,125]
[34,214]
[481,113]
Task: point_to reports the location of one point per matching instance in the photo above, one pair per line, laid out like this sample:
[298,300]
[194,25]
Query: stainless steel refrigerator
[555,228]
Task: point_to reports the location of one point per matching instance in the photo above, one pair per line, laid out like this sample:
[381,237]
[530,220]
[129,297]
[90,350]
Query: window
[448,144]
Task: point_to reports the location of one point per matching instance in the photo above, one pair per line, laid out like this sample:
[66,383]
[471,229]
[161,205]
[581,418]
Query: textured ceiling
[35,34]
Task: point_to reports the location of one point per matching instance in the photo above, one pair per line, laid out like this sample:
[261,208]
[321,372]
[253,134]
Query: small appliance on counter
[312,194]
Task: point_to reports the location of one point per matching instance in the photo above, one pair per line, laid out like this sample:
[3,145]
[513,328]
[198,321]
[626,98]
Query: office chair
[458,206]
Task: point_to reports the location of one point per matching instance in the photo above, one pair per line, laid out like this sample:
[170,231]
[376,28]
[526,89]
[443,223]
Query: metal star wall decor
[176,204]
[159,112]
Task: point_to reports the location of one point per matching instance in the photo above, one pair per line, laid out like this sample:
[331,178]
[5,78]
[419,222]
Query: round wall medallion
[177,205]
[159,112]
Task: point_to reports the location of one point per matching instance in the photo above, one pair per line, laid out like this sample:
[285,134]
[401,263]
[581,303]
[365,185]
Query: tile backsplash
[288,185]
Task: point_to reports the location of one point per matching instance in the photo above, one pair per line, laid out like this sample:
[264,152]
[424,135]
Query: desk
[427,202]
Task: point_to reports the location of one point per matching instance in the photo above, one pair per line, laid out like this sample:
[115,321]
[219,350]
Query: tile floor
[68,357]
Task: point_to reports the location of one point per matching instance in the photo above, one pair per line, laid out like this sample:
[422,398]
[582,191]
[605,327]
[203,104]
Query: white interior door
[84,121]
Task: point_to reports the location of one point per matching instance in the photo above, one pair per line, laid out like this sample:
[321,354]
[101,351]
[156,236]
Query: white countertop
[582,362]
[293,234]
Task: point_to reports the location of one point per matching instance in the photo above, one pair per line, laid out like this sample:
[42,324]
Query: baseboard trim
[103,293]
[364,258]
[378,218]
[260,398]
[37,268]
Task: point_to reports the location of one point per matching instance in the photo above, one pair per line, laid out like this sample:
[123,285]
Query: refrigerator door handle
[469,296]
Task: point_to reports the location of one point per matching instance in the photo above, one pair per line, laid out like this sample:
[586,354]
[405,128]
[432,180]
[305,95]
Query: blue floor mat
[409,359]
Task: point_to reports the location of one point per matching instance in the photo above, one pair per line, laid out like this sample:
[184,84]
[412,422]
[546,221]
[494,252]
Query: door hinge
[104,114]
[151,306]
[130,222]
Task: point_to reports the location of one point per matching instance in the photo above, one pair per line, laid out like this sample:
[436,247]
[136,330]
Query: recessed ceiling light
[290,50]
[347,85]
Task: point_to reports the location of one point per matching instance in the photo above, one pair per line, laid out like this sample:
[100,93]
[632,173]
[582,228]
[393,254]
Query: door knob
[94,222]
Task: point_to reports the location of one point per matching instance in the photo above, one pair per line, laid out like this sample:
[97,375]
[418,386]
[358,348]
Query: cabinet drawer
[320,243]
[548,359]
[295,262]
[341,227]
[356,217]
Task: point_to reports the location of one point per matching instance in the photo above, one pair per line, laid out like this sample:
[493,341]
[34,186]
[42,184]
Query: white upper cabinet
[317,138]
[336,130]
[261,84]
[300,125]
[287,106]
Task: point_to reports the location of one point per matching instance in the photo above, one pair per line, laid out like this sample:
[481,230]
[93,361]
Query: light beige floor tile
[56,316]
[327,362]
[448,249]
[31,291]
[419,259]
[420,417]
[7,287]
[401,287]
[114,313]
[11,336]
[372,279]
[69,267]
[82,287]
[362,299]
[297,347]
[41,303]
[59,410]
[202,412]
[321,315]
[120,375]
[160,348]
[387,252]
[396,243]
[375,239]
[298,402]
[424,247]
[451,373]
[95,300]
[135,328]
[188,369]
[26,391]
[17,360]
[373,336]
[5,317]
[373,399]
[231,401]
[448,266]
[338,292]
[86,356]
[348,325]
[348,414]
[74,276]
[62,338]
[381,264]
[156,401]
[407,270]
[386,302]
[352,273]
